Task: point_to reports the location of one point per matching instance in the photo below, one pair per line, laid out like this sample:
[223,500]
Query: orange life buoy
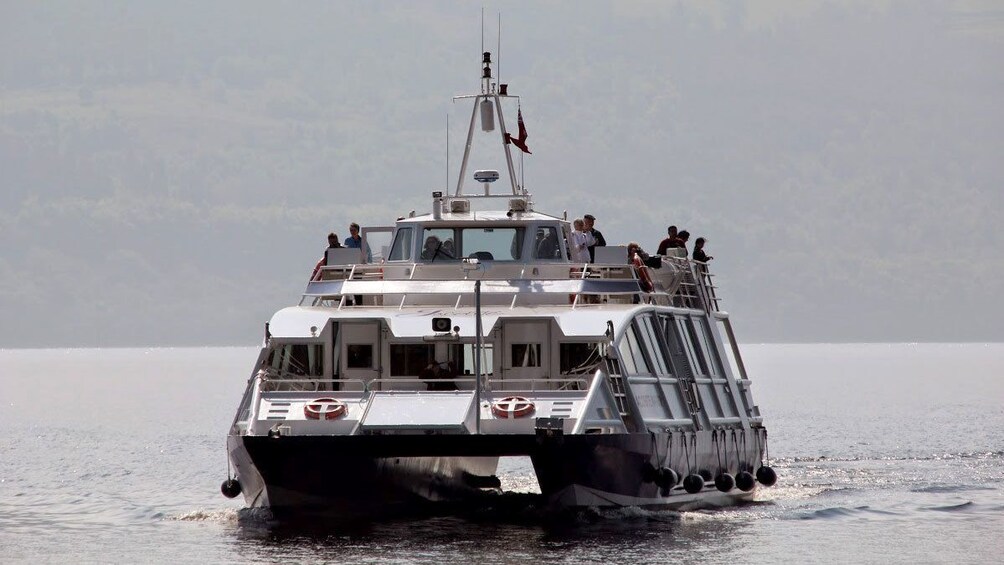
[643,275]
[324,409]
[513,407]
[316,275]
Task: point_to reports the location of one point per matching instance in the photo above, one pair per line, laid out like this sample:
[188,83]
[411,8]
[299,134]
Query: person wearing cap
[589,220]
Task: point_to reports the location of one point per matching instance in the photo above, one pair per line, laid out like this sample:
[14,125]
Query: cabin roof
[476,216]
[296,321]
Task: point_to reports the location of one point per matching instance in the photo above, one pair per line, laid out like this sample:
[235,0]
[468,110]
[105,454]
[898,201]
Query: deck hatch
[409,412]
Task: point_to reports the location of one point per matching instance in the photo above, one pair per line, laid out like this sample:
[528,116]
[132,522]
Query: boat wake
[219,516]
[840,512]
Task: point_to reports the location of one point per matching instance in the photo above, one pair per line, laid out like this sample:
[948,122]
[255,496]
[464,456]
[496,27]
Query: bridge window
[546,244]
[401,250]
[439,244]
[487,244]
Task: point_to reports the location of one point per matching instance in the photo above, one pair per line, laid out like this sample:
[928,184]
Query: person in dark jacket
[683,237]
[699,254]
[589,220]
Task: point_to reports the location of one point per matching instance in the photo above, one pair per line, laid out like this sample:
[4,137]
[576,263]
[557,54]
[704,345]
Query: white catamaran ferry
[403,380]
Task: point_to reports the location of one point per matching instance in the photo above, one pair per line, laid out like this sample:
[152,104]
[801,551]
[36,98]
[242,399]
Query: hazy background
[168,171]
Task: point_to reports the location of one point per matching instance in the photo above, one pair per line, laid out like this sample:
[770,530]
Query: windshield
[485,244]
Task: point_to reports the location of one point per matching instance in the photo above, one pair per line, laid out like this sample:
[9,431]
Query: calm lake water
[885,452]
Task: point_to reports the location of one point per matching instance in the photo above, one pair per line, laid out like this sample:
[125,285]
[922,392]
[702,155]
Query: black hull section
[370,475]
[614,470]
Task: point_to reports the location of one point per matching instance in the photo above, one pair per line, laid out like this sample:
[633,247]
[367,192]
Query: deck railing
[409,384]
[680,282]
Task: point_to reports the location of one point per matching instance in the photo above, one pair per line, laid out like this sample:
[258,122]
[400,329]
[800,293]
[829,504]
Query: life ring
[513,407]
[316,274]
[644,277]
[324,409]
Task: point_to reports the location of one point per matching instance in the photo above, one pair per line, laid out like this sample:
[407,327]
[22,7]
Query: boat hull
[374,475]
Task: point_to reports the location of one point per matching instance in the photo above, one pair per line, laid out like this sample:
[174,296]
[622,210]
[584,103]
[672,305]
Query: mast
[483,104]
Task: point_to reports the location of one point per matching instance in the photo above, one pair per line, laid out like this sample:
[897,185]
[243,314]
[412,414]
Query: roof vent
[460,206]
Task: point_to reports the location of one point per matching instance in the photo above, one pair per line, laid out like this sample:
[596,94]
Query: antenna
[447,153]
[498,54]
[482,40]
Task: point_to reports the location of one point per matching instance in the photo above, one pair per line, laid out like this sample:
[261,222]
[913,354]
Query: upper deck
[494,246]
[517,260]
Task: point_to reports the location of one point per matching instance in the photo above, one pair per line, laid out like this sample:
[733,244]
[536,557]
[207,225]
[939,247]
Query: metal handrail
[582,382]
[416,380]
[368,386]
[695,290]
[264,380]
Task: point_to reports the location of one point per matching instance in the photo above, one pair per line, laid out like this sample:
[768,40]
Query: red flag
[521,140]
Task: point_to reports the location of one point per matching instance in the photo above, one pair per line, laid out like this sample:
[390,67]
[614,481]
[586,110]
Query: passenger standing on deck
[589,221]
[332,244]
[699,254]
[580,241]
[355,241]
[683,237]
[634,248]
[670,242]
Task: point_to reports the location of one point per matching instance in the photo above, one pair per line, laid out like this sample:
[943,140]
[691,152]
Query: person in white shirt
[579,242]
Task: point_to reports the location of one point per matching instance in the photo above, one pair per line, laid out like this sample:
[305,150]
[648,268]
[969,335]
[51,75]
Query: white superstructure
[472,336]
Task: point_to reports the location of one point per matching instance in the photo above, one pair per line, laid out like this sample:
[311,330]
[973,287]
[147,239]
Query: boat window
[297,359]
[492,244]
[730,356]
[439,244]
[401,250]
[689,343]
[578,358]
[359,356]
[631,355]
[626,359]
[706,346]
[526,355]
[485,244]
[462,356]
[408,359]
[546,244]
[335,349]
[653,345]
